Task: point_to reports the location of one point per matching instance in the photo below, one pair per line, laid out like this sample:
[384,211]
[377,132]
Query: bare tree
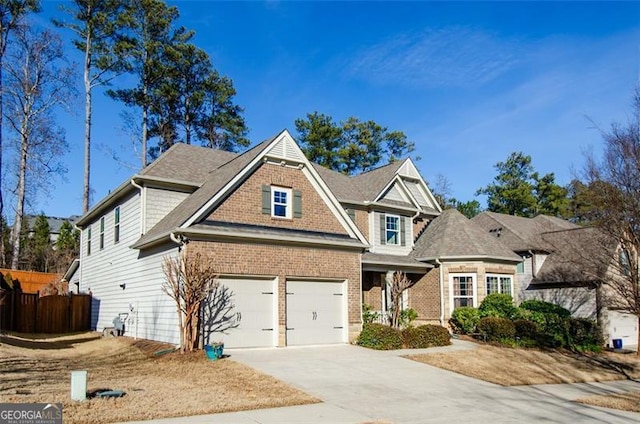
[37,82]
[11,14]
[399,283]
[189,279]
[613,192]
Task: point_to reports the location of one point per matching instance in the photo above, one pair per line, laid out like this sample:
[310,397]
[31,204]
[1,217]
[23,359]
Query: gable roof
[184,218]
[216,179]
[454,236]
[519,233]
[580,256]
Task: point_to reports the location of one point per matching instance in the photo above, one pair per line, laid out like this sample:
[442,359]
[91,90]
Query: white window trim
[398,235]
[289,205]
[499,276]
[474,278]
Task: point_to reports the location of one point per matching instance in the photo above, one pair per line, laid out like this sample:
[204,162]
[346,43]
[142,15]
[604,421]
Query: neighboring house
[54,224]
[564,264]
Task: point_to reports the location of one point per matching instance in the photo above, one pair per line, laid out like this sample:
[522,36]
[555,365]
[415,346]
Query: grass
[513,367]
[38,369]
[629,401]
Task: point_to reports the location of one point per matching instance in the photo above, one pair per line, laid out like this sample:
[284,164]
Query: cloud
[449,57]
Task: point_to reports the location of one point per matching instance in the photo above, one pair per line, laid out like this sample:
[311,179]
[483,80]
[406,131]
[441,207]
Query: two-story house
[298,248]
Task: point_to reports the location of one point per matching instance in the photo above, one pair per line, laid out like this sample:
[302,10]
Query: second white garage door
[249,318]
[315,312]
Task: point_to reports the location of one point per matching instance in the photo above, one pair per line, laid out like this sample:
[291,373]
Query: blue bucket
[214,352]
[617,343]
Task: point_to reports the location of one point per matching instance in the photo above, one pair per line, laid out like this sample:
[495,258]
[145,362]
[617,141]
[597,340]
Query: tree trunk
[638,346]
[145,114]
[87,125]
[17,224]
[2,253]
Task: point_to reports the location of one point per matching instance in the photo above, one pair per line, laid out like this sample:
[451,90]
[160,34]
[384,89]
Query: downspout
[441,271]
[533,264]
[143,206]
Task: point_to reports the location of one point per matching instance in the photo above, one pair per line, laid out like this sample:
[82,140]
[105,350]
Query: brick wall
[424,295]
[288,262]
[418,225]
[244,205]
[362,222]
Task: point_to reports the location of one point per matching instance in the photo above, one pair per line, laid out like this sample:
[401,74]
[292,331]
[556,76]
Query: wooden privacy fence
[28,313]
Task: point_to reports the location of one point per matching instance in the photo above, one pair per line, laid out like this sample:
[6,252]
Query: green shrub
[464,320]
[380,337]
[425,336]
[368,316]
[526,329]
[584,335]
[407,316]
[498,305]
[496,328]
[545,308]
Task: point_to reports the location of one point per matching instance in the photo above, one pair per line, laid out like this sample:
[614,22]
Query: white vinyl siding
[394,193]
[159,203]
[106,270]
[378,241]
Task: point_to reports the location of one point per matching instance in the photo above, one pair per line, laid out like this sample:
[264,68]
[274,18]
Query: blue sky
[469,83]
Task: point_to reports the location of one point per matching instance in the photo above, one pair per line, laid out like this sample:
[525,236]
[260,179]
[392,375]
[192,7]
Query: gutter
[441,270]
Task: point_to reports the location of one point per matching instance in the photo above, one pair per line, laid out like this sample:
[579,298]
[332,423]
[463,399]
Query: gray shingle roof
[453,235]
[215,181]
[519,233]
[393,260]
[185,162]
[371,183]
[580,255]
[341,185]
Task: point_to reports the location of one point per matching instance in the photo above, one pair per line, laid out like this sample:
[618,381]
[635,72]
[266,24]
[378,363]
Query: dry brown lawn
[513,367]
[38,369]
[629,401]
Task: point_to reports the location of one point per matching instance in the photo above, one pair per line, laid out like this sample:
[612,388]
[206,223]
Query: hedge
[425,336]
[380,337]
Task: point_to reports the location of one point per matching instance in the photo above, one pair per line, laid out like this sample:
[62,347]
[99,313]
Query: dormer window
[392,233]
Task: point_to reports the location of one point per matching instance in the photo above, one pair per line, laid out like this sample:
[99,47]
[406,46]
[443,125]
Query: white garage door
[245,313]
[315,312]
[623,326]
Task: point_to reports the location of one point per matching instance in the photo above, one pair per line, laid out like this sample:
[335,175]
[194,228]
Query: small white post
[78,385]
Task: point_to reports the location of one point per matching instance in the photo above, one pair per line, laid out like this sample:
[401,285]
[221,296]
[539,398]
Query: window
[462,290]
[116,225]
[625,263]
[520,268]
[392,229]
[101,233]
[280,202]
[88,241]
[499,284]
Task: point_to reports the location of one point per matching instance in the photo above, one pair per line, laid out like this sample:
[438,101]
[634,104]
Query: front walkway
[360,385]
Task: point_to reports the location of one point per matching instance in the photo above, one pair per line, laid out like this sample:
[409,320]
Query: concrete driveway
[358,385]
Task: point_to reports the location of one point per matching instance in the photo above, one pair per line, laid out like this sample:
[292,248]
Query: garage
[245,313]
[315,312]
[623,326]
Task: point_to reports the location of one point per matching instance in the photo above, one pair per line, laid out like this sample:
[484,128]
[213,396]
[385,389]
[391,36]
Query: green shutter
[402,231]
[297,204]
[383,229]
[266,199]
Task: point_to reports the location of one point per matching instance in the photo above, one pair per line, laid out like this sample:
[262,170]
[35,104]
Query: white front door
[315,312]
[245,315]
